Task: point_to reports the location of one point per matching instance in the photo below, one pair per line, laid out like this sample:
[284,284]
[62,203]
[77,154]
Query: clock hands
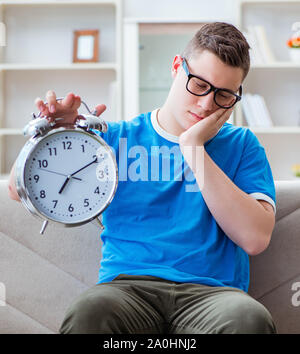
[90,163]
[58,173]
[71,175]
[64,184]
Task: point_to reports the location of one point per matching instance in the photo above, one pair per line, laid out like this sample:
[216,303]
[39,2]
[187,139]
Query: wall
[214,9]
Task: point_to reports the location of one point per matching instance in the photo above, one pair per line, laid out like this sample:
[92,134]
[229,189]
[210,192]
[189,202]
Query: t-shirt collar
[160,131]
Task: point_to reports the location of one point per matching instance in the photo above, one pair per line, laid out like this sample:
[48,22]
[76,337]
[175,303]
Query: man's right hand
[66,108]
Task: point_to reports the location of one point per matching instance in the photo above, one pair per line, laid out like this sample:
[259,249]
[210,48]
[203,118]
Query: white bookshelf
[58,2]
[75,66]
[270,1]
[278,65]
[276,130]
[277,81]
[38,57]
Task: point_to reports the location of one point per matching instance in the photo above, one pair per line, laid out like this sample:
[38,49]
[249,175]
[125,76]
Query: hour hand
[64,184]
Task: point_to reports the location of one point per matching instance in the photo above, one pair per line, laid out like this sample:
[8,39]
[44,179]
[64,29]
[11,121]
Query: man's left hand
[207,128]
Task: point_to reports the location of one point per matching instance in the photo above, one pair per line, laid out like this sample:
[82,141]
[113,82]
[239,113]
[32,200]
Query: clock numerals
[43,163]
[71,208]
[55,203]
[36,178]
[67,145]
[100,174]
[52,151]
[42,194]
[97,191]
[85,204]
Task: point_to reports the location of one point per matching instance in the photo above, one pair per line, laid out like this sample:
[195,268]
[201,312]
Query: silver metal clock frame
[20,175]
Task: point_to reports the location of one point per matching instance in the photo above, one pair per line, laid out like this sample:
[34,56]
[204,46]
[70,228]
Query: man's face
[188,109]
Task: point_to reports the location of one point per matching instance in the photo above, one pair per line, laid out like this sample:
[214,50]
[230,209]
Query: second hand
[58,173]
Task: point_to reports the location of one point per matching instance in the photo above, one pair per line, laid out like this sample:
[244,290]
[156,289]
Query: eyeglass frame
[212,88]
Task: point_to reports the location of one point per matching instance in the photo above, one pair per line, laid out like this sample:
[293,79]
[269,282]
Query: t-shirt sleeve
[111,136]
[254,175]
[104,136]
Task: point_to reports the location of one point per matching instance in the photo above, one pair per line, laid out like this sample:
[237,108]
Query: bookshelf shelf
[245,2]
[277,65]
[77,66]
[57,2]
[275,130]
[274,77]
[10,131]
[38,56]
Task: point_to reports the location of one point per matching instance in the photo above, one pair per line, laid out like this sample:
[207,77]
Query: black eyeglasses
[197,86]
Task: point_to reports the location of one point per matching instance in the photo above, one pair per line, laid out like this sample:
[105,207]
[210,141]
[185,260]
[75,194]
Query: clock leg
[97,222]
[45,223]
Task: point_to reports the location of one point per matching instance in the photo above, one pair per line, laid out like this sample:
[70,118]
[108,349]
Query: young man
[175,250]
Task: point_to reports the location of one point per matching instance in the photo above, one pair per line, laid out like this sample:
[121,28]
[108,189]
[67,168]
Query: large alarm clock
[66,174]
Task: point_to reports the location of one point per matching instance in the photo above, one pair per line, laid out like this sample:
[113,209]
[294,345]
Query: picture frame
[86,46]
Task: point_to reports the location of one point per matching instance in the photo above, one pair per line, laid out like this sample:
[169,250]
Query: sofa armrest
[273,272]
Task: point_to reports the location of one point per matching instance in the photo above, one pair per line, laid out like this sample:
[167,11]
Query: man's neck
[168,122]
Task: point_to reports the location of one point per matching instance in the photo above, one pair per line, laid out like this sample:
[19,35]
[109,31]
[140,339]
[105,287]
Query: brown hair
[225,41]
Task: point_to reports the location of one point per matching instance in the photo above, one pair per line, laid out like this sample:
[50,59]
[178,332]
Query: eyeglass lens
[200,87]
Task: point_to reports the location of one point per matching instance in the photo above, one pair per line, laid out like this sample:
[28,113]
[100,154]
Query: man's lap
[145,304]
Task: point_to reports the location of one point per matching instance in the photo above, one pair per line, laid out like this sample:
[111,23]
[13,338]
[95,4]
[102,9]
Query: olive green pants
[150,305]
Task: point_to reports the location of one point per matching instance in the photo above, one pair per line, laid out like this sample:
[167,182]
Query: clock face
[70,176]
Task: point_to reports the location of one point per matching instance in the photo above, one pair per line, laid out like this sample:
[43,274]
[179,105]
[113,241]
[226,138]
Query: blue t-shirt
[158,222]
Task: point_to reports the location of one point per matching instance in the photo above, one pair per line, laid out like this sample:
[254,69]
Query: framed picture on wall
[86,46]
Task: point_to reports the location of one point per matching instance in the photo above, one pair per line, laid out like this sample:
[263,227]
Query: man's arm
[12,191]
[247,222]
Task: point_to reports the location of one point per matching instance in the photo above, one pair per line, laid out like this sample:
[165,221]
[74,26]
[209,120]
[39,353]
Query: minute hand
[74,173]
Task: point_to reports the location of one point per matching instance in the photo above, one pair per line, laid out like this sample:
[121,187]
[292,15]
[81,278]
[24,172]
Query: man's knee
[92,312]
[247,316]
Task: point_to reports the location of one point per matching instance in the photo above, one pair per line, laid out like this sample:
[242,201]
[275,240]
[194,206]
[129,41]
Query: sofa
[41,274]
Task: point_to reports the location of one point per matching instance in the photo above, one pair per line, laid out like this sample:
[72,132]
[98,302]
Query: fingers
[41,106]
[221,116]
[51,99]
[100,109]
[218,113]
[225,116]
[76,103]
[68,105]
[68,101]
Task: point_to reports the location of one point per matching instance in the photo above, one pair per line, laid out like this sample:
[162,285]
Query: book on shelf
[256,111]
[260,48]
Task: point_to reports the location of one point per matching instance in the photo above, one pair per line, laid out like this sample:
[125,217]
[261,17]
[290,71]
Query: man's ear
[177,61]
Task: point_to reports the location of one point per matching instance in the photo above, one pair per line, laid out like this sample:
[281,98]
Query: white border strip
[160,131]
[262,196]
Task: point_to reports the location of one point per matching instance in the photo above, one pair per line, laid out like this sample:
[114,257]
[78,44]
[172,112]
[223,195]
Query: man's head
[219,54]
[225,41]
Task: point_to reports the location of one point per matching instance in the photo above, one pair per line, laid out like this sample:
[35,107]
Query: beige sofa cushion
[42,274]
